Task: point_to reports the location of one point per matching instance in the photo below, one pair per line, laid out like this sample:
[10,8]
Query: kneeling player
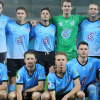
[64,83]
[3,81]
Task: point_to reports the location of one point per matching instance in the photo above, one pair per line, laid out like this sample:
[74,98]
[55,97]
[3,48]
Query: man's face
[1,8]
[45,15]
[83,51]
[60,61]
[30,61]
[20,14]
[93,10]
[67,8]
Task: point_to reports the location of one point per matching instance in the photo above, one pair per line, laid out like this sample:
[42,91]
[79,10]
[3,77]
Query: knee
[45,96]
[36,96]
[3,95]
[80,95]
[12,95]
[92,89]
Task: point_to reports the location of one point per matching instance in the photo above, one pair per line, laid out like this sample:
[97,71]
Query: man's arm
[19,92]
[39,87]
[3,86]
[76,88]
[52,95]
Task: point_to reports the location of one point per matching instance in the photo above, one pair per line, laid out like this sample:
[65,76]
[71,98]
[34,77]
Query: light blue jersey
[3,22]
[30,81]
[17,40]
[44,37]
[90,33]
[3,73]
[88,71]
[65,84]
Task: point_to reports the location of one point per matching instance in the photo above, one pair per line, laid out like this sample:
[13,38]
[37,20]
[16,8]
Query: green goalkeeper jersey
[66,32]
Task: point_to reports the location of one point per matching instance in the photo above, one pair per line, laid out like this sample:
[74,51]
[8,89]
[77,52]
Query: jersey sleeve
[72,70]
[19,78]
[10,20]
[80,18]
[51,81]
[41,72]
[32,32]
[4,75]
[53,20]
[97,62]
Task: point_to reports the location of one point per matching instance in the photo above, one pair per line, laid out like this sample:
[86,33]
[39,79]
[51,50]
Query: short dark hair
[93,4]
[30,52]
[60,53]
[1,2]
[21,8]
[82,43]
[65,1]
[46,8]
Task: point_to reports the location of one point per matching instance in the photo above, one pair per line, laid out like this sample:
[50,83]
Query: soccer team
[72,73]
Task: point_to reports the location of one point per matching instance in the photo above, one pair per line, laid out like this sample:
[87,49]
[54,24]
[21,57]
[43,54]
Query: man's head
[21,13]
[60,59]
[66,6]
[45,14]
[30,59]
[93,10]
[1,6]
[83,49]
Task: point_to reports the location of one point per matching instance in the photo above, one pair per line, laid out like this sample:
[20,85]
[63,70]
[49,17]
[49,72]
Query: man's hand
[52,69]
[33,22]
[25,95]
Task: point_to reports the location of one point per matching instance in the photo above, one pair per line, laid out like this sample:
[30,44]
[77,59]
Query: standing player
[87,68]
[67,27]
[3,82]
[64,83]
[3,22]
[17,43]
[30,79]
[44,40]
[90,29]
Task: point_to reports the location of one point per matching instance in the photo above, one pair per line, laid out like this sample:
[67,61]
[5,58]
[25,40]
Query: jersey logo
[14,29]
[91,69]
[3,23]
[52,31]
[68,80]
[72,23]
[49,84]
[66,33]
[18,78]
[98,27]
[1,29]
[27,30]
[90,36]
[45,41]
[20,40]
[60,24]
[83,81]
[39,31]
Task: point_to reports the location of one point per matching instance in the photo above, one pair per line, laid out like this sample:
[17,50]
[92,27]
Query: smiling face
[66,8]
[93,10]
